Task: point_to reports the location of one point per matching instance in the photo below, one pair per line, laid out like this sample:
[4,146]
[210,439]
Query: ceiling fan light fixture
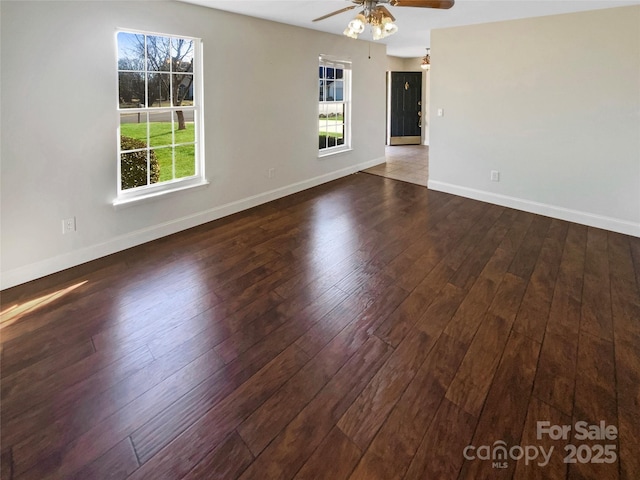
[389,27]
[350,33]
[377,32]
[382,25]
[357,24]
[378,16]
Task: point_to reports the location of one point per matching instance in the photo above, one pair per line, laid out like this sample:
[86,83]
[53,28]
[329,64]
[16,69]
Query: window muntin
[160,114]
[333,105]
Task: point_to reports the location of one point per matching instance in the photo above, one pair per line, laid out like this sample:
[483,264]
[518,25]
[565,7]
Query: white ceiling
[414,24]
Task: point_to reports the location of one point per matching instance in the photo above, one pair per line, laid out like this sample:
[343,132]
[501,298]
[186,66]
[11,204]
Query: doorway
[404,108]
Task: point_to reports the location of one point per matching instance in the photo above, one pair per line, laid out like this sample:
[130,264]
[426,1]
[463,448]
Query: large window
[334,106]
[159,145]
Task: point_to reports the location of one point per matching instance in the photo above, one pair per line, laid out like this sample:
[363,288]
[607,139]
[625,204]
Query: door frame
[425,107]
[405,140]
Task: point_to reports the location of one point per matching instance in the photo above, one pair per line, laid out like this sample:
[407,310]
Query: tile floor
[409,163]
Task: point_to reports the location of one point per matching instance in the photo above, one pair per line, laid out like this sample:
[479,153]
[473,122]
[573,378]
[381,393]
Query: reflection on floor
[409,163]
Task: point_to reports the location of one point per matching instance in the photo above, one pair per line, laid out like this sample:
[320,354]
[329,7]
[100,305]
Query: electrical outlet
[271,172]
[69,225]
[495,176]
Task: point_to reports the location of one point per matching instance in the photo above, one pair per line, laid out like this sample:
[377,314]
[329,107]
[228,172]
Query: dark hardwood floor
[364,329]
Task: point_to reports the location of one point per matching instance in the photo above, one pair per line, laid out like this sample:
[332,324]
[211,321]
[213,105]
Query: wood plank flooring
[364,329]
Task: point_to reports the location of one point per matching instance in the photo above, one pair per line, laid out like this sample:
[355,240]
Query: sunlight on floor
[13,313]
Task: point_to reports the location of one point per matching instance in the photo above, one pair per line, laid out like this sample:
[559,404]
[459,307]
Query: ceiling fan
[379,17]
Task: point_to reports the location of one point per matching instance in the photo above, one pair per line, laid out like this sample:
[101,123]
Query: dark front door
[405,91]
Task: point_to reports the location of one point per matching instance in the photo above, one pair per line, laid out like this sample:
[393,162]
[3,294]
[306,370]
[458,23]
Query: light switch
[441,112]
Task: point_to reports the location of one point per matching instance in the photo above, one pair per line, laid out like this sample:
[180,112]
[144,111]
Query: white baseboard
[576,216]
[58,263]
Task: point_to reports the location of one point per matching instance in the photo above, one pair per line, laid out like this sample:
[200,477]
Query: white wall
[553,103]
[59,121]
[395,64]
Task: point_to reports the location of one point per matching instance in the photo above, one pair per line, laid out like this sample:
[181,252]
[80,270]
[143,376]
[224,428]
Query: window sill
[334,152]
[124,202]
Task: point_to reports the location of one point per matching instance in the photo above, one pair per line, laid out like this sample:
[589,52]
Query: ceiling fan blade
[386,12]
[443,4]
[335,13]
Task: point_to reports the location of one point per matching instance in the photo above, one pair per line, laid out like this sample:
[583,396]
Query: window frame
[345,65]
[153,190]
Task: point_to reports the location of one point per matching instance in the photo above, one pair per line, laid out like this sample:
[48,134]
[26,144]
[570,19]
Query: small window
[159,138]
[334,107]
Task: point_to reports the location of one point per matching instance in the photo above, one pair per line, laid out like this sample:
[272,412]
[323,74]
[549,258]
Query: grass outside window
[166,146]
